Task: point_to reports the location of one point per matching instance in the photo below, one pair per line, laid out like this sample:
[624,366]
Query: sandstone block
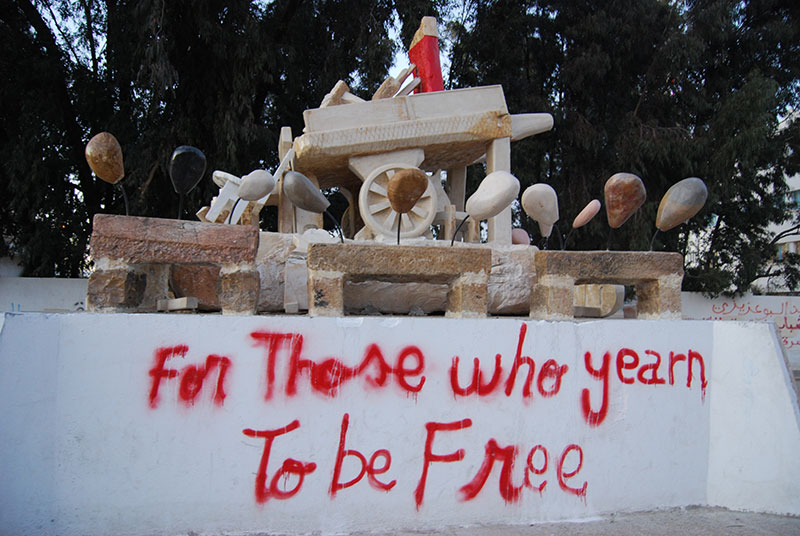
[325,294]
[115,290]
[657,277]
[138,240]
[237,291]
[465,270]
[199,281]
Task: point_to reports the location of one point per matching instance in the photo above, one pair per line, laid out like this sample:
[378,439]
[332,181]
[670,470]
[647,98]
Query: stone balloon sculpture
[253,186]
[104,156]
[520,236]
[540,203]
[624,193]
[584,216]
[186,168]
[305,195]
[494,194]
[682,201]
[404,189]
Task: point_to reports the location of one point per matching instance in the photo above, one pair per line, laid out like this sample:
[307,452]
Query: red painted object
[424,53]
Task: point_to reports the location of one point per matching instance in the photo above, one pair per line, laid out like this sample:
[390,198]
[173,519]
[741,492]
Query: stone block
[138,240]
[657,277]
[510,280]
[237,291]
[199,281]
[274,250]
[116,290]
[157,287]
[325,294]
[467,298]
[465,270]
[178,304]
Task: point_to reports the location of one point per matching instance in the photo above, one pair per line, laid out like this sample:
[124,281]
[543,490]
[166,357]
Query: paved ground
[683,522]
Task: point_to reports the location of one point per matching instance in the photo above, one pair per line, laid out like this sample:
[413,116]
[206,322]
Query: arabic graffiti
[784,311]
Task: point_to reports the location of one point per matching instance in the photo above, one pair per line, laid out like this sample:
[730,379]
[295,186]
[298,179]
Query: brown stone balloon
[682,201]
[405,188]
[624,194]
[104,156]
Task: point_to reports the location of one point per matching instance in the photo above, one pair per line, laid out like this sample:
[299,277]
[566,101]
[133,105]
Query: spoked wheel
[378,214]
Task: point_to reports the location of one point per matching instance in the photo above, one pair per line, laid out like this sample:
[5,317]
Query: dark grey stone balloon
[303,193]
[186,168]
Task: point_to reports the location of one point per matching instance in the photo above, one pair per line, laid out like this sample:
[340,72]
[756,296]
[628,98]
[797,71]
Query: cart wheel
[378,214]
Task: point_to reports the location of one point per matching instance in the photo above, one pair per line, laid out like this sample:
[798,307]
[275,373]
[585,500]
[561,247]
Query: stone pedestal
[128,248]
[657,277]
[464,270]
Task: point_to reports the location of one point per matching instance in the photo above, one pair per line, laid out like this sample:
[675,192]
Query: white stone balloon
[495,193]
[303,193]
[540,202]
[256,185]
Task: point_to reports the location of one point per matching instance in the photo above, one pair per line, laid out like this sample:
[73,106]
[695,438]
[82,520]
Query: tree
[662,90]
[223,76]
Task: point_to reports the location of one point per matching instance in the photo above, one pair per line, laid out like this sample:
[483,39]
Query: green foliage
[665,90]
[662,90]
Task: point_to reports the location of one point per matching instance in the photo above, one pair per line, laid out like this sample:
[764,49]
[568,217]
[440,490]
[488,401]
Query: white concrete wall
[89,447]
[755,424]
[42,294]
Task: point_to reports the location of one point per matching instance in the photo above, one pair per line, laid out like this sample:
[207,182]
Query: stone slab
[138,240]
[398,263]
[657,277]
[464,270]
[613,267]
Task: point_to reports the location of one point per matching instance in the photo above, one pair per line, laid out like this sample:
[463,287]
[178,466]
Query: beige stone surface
[398,263]
[508,287]
[525,125]
[325,294]
[510,280]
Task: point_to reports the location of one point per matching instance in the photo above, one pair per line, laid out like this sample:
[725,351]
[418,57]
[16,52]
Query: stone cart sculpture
[358,146]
